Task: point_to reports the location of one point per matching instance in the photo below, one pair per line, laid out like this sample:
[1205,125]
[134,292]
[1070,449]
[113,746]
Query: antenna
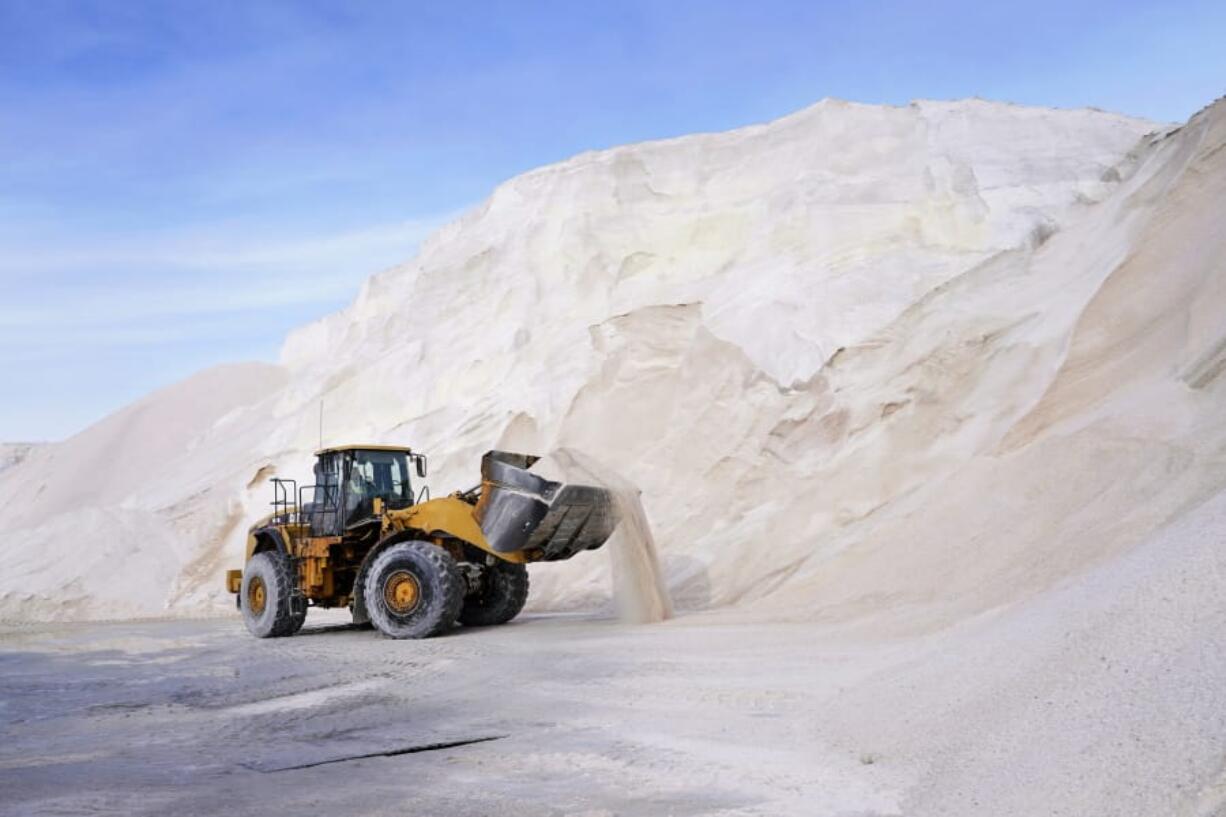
[321,424]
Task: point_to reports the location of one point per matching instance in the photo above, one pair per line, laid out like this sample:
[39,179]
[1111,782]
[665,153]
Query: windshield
[383,474]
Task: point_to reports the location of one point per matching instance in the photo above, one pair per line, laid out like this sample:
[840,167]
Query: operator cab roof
[338,448]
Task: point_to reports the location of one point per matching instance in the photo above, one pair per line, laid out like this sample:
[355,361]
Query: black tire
[297,620]
[357,604]
[264,596]
[413,590]
[503,593]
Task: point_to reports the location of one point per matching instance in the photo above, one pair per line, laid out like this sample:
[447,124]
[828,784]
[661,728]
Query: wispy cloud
[215,249]
[89,325]
[94,291]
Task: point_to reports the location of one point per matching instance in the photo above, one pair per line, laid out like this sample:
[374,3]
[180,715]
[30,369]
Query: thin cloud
[219,251]
[190,288]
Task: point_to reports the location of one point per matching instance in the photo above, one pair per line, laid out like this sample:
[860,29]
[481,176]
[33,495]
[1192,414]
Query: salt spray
[639,592]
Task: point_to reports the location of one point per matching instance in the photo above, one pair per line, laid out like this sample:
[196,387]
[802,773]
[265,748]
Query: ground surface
[590,717]
[1104,696]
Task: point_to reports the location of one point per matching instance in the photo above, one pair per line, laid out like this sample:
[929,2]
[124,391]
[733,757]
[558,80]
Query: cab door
[324,512]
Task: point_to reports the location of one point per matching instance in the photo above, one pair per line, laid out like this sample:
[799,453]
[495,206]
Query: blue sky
[183,182]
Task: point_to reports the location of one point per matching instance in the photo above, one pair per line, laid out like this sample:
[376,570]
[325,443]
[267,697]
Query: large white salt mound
[13,453]
[134,512]
[897,362]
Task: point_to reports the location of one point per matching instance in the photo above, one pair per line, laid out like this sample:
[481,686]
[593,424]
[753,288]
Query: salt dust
[639,592]
[308,700]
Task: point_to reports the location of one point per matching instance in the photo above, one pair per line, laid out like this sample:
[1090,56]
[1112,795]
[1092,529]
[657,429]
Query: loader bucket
[519,510]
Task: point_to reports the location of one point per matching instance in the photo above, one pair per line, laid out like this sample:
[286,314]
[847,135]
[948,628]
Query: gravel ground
[572,716]
[1105,696]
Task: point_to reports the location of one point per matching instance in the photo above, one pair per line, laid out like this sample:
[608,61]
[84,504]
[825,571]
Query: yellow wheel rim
[402,592]
[257,595]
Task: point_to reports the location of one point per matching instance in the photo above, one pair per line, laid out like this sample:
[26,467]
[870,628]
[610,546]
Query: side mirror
[421,465]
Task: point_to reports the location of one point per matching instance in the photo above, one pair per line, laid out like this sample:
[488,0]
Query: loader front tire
[413,590]
[264,596]
[503,592]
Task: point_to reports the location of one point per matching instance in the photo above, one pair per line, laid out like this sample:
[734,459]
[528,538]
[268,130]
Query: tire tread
[509,583]
[280,581]
[445,582]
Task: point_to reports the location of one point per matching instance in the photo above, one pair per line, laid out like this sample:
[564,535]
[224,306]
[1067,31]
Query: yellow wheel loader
[411,567]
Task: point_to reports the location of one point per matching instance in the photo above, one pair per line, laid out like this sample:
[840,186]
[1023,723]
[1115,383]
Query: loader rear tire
[503,593]
[264,596]
[413,590]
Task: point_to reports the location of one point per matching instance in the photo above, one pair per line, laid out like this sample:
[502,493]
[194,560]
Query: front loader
[411,567]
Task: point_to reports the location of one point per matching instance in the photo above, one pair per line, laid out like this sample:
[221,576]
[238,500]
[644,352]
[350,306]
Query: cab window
[383,474]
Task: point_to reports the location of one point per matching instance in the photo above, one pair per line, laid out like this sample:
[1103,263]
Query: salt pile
[13,453]
[888,364]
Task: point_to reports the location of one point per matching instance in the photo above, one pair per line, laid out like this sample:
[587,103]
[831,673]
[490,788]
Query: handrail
[281,503]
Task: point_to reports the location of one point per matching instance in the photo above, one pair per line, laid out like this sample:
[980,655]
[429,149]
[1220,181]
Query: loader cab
[348,480]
